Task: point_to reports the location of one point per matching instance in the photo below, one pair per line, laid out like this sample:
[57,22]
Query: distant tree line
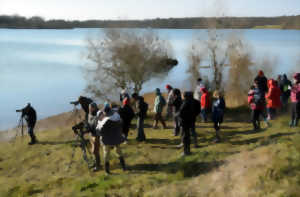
[36,22]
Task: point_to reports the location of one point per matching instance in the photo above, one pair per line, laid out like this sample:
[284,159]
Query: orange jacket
[273,95]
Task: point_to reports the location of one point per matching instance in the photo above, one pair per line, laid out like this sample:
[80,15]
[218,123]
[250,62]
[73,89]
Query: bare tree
[218,56]
[240,74]
[195,57]
[126,59]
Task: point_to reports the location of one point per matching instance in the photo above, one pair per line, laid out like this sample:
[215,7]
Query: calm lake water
[44,67]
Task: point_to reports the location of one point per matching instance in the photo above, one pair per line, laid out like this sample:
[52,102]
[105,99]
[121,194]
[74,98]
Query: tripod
[21,126]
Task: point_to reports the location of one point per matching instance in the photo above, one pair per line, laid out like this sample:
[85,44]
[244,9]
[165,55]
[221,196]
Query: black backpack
[259,97]
[144,108]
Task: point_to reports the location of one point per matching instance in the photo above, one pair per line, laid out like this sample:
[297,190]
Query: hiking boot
[33,140]
[96,168]
[122,162]
[180,145]
[183,154]
[106,168]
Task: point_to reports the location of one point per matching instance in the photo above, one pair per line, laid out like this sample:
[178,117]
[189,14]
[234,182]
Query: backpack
[259,98]
[162,101]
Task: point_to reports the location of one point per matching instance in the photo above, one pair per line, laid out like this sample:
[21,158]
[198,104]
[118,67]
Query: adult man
[159,104]
[29,114]
[169,101]
[84,102]
[187,115]
[141,112]
[109,127]
[262,81]
[285,85]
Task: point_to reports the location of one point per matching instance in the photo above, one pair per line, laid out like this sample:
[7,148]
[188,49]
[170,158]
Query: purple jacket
[295,93]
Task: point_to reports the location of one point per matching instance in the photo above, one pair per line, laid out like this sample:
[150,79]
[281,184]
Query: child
[256,101]
[205,104]
[295,98]
[218,109]
[273,98]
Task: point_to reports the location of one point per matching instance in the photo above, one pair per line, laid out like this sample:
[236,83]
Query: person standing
[29,114]
[109,128]
[95,139]
[127,114]
[218,109]
[187,117]
[295,99]
[169,101]
[176,104]
[159,104]
[256,100]
[285,85]
[205,104]
[141,112]
[273,98]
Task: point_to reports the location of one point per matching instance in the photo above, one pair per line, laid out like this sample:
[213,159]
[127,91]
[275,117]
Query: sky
[146,9]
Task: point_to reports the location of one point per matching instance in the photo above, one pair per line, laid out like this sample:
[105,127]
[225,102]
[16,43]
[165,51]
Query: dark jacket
[218,110]
[187,112]
[284,86]
[176,102]
[141,107]
[84,102]
[29,114]
[262,83]
[110,130]
[127,114]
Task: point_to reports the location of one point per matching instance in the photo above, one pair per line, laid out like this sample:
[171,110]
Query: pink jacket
[295,93]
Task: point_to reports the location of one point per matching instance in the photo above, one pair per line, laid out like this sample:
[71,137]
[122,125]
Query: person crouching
[109,128]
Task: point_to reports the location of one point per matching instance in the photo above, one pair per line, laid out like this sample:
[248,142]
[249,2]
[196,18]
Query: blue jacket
[218,109]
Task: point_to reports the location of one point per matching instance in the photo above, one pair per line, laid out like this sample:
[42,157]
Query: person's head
[217,94]
[203,90]
[296,78]
[92,108]
[135,96]
[261,73]
[169,87]
[284,76]
[279,77]
[106,108]
[252,87]
[199,80]
[157,91]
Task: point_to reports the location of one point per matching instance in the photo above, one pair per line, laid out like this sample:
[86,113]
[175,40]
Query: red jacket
[273,95]
[205,102]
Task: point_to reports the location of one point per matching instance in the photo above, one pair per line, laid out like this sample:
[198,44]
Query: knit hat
[168,87]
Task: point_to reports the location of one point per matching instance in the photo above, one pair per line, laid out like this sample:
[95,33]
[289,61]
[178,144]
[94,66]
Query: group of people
[110,125]
[267,96]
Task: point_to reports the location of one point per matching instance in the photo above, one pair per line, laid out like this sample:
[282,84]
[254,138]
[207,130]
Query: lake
[44,67]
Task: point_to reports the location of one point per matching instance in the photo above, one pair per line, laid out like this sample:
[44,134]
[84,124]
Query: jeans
[204,115]
[186,139]
[140,127]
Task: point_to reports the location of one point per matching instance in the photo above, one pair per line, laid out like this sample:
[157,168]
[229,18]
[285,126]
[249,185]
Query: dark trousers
[271,112]
[158,117]
[176,126]
[31,133]
[186,130]
[140,127]
[255,114]
[217,128]
[295,113]
[126,127]
[204,114]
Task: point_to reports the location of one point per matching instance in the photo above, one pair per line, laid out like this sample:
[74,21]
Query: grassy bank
[246,163]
